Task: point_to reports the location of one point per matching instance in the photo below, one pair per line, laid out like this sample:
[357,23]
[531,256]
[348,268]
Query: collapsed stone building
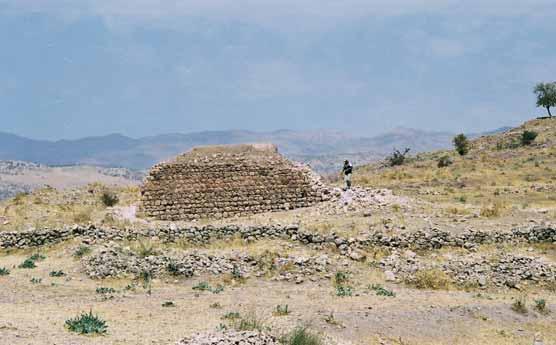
[226,181]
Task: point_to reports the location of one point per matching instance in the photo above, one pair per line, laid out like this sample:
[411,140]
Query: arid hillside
[417,254]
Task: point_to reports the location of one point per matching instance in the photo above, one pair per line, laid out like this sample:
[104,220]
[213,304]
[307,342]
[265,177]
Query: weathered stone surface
[227,181]
[230,338]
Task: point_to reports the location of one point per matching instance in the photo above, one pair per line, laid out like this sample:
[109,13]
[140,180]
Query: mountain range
[324,150]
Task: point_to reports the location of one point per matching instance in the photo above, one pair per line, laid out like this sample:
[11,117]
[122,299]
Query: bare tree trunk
[549,114]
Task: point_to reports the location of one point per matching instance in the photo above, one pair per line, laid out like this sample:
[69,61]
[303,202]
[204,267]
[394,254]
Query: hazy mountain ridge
[117,150]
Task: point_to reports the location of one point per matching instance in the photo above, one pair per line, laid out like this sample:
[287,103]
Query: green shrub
[87,324]
[382,291]
[461,144]
[81,251]
[4,271]
[233,315]
[301,336]
[250,323]
[105,290]
[37,257]
[540,306]
[57,274]
[527,137]
[445,161]
[341,278]
[109,199]
[28,264]
[344,291]
[202,286]
[281,310]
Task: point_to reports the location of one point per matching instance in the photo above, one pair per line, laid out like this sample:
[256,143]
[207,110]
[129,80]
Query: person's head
[346,162]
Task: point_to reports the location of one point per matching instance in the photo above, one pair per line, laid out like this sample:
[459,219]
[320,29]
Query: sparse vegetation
[445,161]
[109,199]
[540,306]
[344,291]
[28,264]
[82,251]
[433,279]
[382,291]
[397,157]
[461,143]
[204,286]
[301,336]
[105,290]
[281,310]
[168,304]
[57,274]
[4,271]
[87,324]
[520,305]
[35,280]
[527,137]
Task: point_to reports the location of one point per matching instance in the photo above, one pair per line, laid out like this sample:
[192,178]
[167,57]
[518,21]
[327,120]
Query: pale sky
[74,68]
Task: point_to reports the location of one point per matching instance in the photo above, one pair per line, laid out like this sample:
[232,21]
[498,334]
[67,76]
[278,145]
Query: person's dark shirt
[348,169]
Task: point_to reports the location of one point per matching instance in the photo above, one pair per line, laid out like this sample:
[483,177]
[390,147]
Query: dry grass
[49,207]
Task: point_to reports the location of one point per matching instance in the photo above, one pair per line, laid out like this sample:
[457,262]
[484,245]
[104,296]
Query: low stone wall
[419,240]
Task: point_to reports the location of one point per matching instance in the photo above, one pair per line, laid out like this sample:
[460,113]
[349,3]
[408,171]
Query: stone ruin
[226,181]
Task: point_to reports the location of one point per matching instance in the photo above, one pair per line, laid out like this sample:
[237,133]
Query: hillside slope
[499,173]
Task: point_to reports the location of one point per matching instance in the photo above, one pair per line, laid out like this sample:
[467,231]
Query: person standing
[347,170]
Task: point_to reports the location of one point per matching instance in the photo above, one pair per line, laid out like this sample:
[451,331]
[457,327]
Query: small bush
[540,306]
[491,211]
[109,199]
[28,264]
[145,249]
[520,305]
[233,315]
[105,290]
[168,304]
[281,310]
[431,279]
[445,161]
[37,257]
[204,286]
[216,305]
[344,291]
[382,291]
[461,144]
[87,324]
[397,157]
[4,271]
[341,278]
[250,323]
[57,274]
[301,336]
[36,280]
[82,251]
[527,137]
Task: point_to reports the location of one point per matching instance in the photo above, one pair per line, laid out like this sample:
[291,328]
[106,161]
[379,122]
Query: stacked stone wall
[226,181]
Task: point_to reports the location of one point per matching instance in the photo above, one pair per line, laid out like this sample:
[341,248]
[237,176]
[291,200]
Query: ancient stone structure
[226,181]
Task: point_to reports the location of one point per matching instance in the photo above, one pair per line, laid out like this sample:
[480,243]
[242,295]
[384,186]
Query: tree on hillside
[546,95]
[461,144]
